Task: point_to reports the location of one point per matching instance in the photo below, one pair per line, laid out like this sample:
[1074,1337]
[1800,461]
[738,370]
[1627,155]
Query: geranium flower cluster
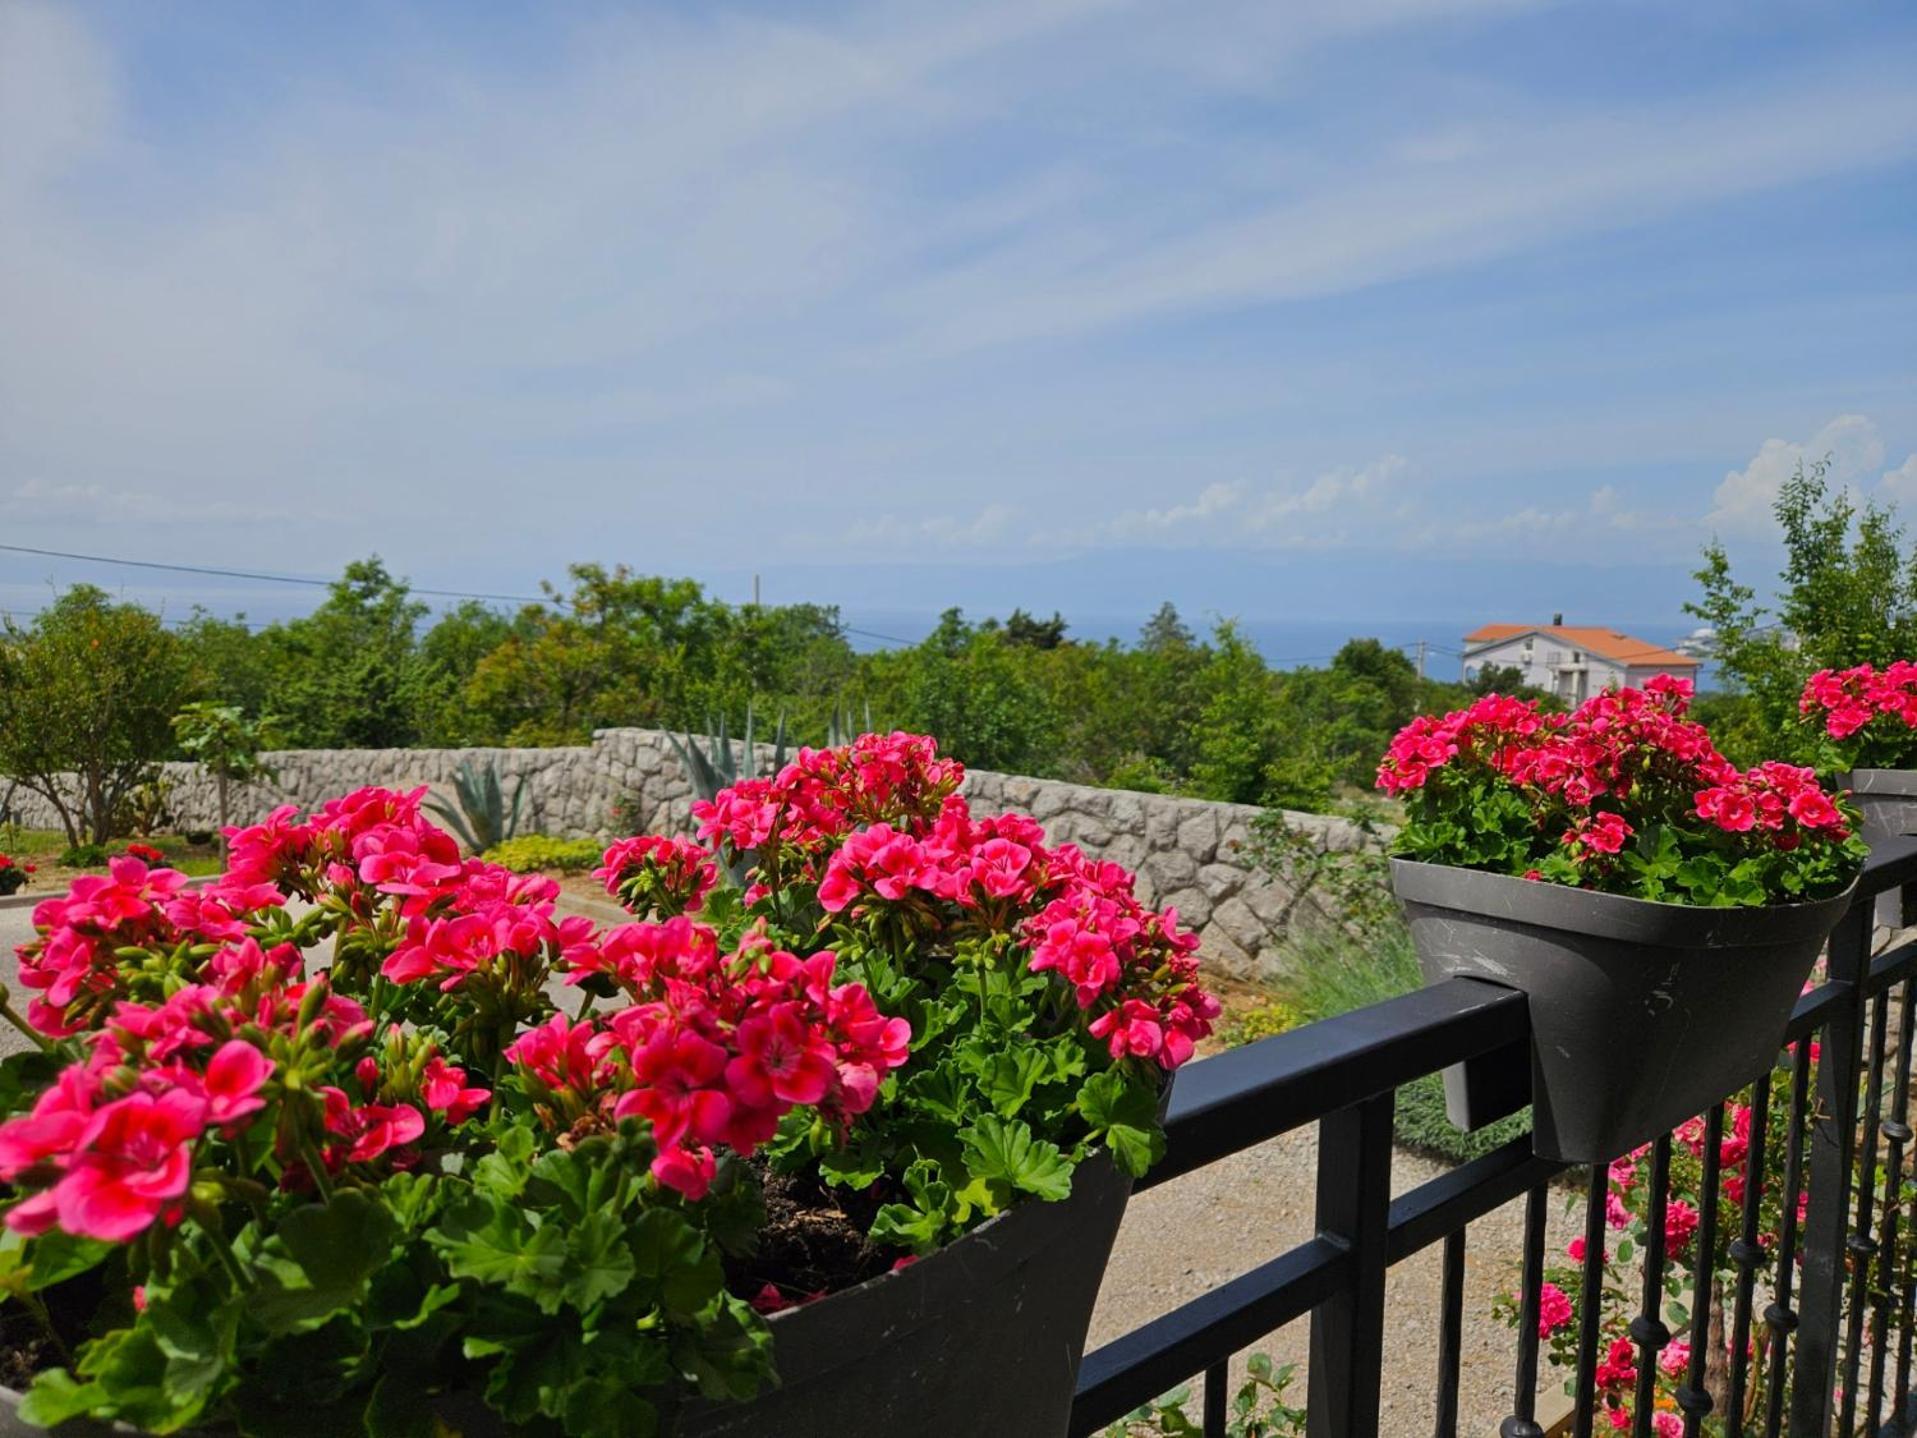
[715,1051]
[1575,797]
[788,825]
[654,874]
[1868,715]
[166,1091]
[878,829]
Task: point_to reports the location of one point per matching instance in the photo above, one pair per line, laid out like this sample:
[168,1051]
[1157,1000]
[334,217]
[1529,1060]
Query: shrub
[1274,1016]
[321,1200]
[1625,795]
[538,853]
[83,856]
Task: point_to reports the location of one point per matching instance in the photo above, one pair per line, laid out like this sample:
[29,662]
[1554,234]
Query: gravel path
[1205,1229]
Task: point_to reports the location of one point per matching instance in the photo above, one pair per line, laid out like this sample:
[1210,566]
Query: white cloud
[1899,485]
[1744,499]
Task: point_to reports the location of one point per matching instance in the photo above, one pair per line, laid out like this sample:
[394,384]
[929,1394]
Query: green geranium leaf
[1123,1112]
[673,1262]
[489,1242]
[503,1172]
[341,1242]
[599,1265]
[1005,1151]
[604,1407]
[56,1396]
[56,1256]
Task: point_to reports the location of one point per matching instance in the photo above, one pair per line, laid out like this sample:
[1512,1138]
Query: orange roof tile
[1610,644]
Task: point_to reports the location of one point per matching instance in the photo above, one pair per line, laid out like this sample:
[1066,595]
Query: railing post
[1347,1330]
[1833,1148]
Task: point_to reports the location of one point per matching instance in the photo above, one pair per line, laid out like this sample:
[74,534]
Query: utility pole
[1421,645]
[755,591]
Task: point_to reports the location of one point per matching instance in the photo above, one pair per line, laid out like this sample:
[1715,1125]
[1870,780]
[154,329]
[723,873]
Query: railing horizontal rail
[1248,1095]
[1130,1371]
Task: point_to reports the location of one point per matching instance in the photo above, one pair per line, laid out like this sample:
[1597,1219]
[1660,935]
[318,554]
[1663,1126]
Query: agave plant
[483,817]
[839,730]
[720,766]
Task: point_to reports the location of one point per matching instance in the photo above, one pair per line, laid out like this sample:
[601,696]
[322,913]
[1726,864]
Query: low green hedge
[541,853]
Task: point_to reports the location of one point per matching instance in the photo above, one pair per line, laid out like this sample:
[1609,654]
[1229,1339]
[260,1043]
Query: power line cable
[248,574]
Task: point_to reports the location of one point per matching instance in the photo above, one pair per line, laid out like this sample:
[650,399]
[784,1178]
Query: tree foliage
[88,690]
[1847,595]
[1173,711]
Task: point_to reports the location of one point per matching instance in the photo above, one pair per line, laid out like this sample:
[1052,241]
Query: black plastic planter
[1642,1014]
[983,1336]
[1887,799]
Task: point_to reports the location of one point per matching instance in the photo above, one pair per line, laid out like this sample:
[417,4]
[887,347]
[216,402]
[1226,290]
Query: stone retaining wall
[1188,853]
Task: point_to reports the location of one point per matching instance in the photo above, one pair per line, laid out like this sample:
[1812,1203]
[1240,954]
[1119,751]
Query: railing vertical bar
[1451,1334]
[1907,1302]
[1590,1306]
[1217,1384]
[1347,1330]
[1747,1253]
[1648,1329]
[1897,1135]
[1862,1243]
[1524,1405]
[1778,1315]
[1692,1398]
[1833,1146]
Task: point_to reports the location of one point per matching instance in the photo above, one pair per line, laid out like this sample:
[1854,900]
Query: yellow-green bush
[1275,1017]
[539,853]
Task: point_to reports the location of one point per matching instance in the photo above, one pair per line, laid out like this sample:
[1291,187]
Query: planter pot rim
[1618,916]
[1899,782]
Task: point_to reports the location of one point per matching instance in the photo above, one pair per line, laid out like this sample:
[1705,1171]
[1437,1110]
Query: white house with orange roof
[1571,661]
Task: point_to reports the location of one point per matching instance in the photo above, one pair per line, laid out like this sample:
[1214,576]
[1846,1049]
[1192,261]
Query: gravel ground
[1205,1229]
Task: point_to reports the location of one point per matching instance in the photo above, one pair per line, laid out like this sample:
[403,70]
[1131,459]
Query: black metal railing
[1838,1286]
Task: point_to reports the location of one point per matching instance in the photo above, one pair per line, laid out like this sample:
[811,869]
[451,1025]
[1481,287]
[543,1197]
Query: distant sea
[1285,644]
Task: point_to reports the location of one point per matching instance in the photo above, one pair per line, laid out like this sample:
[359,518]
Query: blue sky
[1341,311]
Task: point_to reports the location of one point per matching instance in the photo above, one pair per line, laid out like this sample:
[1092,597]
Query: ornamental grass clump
[267,1186]
[1625,795]
[1862,717]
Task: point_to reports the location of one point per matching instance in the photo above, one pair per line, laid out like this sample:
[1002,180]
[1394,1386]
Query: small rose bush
[367,1127]
[1862,717]
[14,875]
[1625,795]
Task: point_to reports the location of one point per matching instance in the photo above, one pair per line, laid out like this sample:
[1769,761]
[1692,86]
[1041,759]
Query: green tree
[347,675]
[224,742]
[1033,633]
[231,662]
[1848,595]
[1251,749]
[974,692]
[86,693]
